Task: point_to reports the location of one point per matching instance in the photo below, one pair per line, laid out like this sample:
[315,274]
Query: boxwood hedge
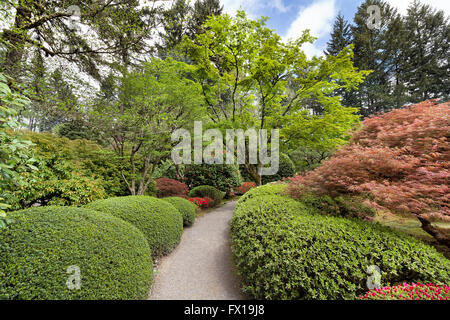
[282,252]
[39,245]
[186,208]
[159,221]
[265,190]
[207,191]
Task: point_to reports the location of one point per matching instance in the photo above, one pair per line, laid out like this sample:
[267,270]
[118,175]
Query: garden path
[200,267]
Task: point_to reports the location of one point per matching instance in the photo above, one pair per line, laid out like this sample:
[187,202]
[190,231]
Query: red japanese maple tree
[400,160]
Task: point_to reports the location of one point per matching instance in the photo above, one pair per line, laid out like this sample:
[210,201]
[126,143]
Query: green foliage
[286,169]
[262,191]
[221,176]
[343,205]
[306,159]
[207,191]
[39,245]
[14,155]
[186,208]
[167,169]
[70,172]
[282,252]
[152,102]
[252,79]
[159,221]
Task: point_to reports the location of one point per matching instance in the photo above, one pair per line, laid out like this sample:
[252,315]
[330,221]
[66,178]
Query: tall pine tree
[341,36]
[425,65]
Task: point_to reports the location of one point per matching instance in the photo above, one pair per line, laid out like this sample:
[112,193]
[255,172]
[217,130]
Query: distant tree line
[409,56]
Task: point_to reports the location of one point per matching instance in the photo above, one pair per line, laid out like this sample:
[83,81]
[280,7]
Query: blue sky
[290,17]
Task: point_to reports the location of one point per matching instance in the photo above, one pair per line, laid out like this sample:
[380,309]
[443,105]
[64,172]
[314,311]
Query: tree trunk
[254,173]
[440,236]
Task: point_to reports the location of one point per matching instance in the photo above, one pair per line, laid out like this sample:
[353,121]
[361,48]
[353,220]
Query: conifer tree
[425,65]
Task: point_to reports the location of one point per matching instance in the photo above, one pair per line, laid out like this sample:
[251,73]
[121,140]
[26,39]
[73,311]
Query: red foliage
[202,202]
[170,188]
[401,159]
[245,187]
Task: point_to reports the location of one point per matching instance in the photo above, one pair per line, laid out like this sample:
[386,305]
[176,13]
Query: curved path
[200,267]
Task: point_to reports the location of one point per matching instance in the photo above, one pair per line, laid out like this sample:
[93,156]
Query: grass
[411,225]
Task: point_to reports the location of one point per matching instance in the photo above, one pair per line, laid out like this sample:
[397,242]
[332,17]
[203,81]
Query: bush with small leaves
[170,188]
[283,252]
[159,221]
[207,191]
[186,208]
[38,246]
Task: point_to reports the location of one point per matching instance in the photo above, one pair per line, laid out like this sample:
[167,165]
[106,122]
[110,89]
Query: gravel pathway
[200,267]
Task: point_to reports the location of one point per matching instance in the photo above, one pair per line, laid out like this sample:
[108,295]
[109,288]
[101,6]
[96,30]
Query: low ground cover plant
[409,291]
[38,245]
[159,221]
[207,192]
[283,252]
[186,208]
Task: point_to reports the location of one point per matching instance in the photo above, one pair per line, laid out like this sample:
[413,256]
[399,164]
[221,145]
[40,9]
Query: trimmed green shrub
[282,252]
[39,245]
[343,206]
[221,176]
[186,208]
[207,191]
[286,169]
[159,221]
[273,189]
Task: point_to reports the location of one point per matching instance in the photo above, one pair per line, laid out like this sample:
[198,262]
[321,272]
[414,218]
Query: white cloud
[402,5]
[318,18]
[253,7]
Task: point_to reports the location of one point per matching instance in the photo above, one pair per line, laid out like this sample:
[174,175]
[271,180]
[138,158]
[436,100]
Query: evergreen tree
[341,36]
[373,51]
[425,65]
[174,26]
[201,11]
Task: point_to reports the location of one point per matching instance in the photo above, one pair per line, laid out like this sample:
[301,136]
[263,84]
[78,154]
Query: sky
[290,17]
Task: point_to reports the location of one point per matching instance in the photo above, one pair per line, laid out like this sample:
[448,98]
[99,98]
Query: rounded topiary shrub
[273,189]
[170,188]
[207,192]
[159,221]
[221,176]
[41,248]
[282,252]
[186,208]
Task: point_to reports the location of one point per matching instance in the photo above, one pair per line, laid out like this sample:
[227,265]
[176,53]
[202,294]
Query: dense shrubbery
[159,221]
[343,206]
[274,189]
[39,244]
[207,191]
[282,252]
[167,169]
[406,291]
[286,169]
[221,176]
[70,172]
[246,186]
[399,159]
[186,208]
[170,188]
